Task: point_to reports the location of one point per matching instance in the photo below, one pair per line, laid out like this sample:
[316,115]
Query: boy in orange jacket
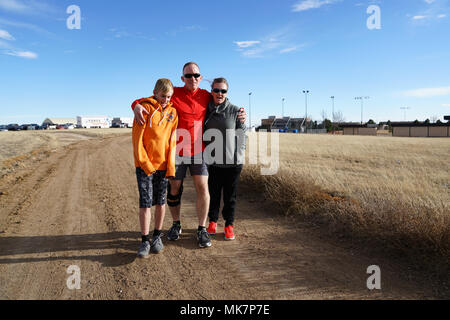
[154,148]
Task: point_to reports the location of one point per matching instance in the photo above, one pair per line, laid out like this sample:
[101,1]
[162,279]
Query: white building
[122,122]
[93,122]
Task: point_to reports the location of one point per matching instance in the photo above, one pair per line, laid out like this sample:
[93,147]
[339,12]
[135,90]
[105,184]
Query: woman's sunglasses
[190,75]
[223,91]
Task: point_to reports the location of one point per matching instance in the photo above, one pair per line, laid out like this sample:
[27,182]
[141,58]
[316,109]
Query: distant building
[93,122]
[358,129]
[420,129]
[122,122]
[286,124]
[58,121]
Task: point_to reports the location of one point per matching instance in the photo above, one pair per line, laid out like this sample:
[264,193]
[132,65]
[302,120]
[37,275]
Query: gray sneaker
[174,233]
[144,250]
[157,245]
[204,240]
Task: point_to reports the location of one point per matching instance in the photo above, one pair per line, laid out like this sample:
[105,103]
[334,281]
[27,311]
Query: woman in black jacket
[224,155]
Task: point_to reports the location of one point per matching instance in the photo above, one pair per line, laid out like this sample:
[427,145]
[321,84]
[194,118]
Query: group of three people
[161,159]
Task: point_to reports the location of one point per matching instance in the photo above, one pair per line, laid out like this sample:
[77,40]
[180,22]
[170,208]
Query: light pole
[250,109]
[282,107]
[404,110]
[332,114]
[306,107]
[362,106]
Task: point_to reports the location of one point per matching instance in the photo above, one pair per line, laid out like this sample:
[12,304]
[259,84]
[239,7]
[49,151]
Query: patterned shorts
[153,189]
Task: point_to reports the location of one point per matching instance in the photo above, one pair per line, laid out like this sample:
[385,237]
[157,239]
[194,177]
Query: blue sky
[274,49]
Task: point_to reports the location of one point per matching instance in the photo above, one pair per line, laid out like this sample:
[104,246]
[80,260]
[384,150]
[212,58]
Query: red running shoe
[229,234]
[212,228]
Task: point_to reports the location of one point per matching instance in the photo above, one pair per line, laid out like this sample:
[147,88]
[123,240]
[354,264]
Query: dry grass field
[18,146]
[394,191]
[13,144]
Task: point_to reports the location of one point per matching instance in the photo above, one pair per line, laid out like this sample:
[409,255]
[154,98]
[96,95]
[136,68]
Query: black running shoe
[174,232]
[203,238]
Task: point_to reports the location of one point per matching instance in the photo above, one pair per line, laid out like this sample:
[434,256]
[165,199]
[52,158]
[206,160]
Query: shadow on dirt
[110,249]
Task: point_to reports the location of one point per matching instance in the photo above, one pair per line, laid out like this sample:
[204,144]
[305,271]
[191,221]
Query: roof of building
[56,121]
[352,125]
[419,124]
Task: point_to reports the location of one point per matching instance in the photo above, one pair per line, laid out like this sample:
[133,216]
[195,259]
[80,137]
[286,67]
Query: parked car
[3,128]
[33,126]
[13,127]
[60,127]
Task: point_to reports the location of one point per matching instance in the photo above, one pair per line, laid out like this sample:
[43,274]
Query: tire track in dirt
[80,207]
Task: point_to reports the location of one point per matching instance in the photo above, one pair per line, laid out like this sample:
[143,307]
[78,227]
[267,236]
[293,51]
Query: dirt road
[79,205]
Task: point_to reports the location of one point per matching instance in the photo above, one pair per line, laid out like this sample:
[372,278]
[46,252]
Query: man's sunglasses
[223,91]
[190,75]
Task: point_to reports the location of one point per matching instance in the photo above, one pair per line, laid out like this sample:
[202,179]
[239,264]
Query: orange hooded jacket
[154,143]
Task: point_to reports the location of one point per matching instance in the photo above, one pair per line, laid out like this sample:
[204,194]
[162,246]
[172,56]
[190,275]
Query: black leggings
[226,180]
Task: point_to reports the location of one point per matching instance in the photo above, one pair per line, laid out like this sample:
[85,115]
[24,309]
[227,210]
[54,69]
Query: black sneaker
[174,233]
[203,238]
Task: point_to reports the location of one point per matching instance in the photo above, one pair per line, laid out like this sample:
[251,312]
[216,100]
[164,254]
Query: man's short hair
[164,86]
[188,64]
[219,80]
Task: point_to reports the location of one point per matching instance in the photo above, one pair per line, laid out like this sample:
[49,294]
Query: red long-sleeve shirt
[191,108]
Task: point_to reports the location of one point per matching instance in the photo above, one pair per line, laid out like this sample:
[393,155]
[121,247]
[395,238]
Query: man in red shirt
[191,103]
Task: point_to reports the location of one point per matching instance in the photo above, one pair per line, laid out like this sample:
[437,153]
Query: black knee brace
[174,201]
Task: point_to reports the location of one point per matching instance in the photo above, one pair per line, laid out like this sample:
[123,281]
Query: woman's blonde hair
[163,86]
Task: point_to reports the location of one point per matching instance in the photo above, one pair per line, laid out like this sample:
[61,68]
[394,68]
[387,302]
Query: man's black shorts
[196,164]
[153,189]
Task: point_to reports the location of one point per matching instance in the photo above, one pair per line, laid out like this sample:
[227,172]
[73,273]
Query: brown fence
[422,131]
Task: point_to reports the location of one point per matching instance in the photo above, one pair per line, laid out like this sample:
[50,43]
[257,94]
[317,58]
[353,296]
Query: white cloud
[257,49]
[27,7]
[13,5]
[23,25]
[246,44]
[293,48]
[6,35]
[427,92]
[287,50]
[279,41]
[305,5]
[22,54]
[433,12]
[446,105]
